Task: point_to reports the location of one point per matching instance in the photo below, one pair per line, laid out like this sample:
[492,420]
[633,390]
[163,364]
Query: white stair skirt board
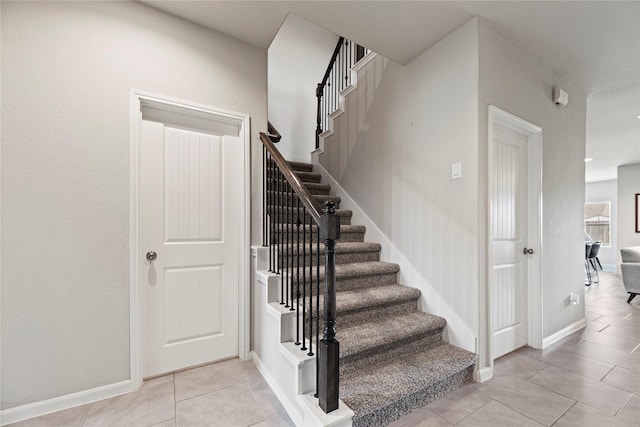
[564,332]
[289,371]
[36,409]
[277,390]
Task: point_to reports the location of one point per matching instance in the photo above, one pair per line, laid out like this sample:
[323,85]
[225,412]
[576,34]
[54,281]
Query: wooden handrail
[274,135]
[332,61]
[296,184]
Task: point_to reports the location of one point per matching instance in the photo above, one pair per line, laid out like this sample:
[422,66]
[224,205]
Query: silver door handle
[527,251]
[151,255]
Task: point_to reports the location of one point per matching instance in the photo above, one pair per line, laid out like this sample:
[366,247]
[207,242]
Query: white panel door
[509,285]
[191,186]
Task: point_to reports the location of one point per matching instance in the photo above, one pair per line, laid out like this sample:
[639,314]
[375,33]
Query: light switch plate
[456,170]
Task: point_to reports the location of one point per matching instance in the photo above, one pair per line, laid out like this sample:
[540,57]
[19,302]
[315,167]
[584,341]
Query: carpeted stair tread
[317,188]
[296,166]
[382,332]
[368,298]
[393,387]
[359,269]
[344,228]
[350,276]
[341,247]
[301,166]
[348,233]
[309,176]
[289,209]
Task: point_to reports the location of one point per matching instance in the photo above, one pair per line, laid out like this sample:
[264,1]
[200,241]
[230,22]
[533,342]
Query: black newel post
[329,347]
[319,90]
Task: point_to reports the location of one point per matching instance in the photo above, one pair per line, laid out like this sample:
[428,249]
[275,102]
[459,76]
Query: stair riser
[312,186]
[304,176]
[341,258]
[395,410]
[293,236]
[361,360]
[351,318]
[346,283]
[318,189]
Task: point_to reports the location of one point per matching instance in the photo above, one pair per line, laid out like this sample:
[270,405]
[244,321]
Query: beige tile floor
[590,378]
[229,394]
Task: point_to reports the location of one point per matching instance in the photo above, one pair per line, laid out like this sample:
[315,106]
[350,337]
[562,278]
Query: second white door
[191,187]
[509,284]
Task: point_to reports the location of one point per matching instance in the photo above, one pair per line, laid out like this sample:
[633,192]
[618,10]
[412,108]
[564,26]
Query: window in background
[597,221]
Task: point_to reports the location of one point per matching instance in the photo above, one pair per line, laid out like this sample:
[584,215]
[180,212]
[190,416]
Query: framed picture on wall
[637,212]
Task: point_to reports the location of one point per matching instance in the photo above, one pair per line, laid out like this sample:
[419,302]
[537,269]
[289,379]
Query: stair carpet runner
[392,356]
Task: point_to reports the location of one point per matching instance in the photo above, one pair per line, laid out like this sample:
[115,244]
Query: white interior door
[509,228]
[191,185]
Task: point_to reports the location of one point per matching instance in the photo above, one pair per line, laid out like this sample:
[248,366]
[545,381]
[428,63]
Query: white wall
[628,186]
[512,81]
[423,118]
[67,71]
[606,191]
[298,59]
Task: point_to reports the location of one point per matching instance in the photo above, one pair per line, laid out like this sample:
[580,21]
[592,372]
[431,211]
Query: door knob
[151,255]
[527,251]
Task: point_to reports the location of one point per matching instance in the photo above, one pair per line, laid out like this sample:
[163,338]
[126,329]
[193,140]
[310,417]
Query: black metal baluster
[292,251]
[272,220]
[304,276]
[272,231]
[280,243]
[310,288]
[264,196]
[317,306]
[346,63]
[286,237]
[298,224]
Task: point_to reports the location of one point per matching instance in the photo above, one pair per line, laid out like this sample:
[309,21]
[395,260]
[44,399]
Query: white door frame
[534,229]
[138,99]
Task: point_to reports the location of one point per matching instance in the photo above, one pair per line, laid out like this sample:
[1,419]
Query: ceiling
[593,44]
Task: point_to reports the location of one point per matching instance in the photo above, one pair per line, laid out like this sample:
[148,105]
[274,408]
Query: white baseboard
[553,338]
[36,409]
[289,406]
[482,375]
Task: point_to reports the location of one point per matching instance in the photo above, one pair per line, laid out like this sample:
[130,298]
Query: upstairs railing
[337,77]
[291,219]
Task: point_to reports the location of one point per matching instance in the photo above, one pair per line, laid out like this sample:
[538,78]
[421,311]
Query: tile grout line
[623,405]
[563,414]
[253,395]
[175,401]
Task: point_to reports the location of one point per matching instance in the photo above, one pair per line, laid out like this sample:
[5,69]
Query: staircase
[392,356]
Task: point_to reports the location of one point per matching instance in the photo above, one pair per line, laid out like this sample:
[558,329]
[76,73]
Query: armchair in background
[631,270]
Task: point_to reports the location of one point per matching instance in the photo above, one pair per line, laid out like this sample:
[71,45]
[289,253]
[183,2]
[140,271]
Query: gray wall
[512,81]
[434,112]
[67,71]
[422,118]
[298,58]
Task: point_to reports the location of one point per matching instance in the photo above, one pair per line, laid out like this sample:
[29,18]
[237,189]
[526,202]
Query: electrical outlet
[574,299]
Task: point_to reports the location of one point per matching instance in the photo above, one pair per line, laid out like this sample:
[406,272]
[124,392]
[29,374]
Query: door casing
[534,226]
[138,100]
